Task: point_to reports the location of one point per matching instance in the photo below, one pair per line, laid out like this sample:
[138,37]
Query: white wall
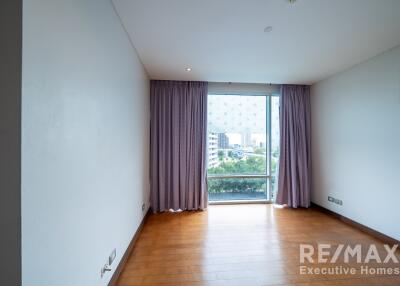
[85,137]
[356,142]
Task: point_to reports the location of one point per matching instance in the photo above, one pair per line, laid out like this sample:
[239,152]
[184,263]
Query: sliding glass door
[243,147]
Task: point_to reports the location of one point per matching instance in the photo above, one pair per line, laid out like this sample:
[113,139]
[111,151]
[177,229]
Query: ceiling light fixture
[188,69]
[268,29]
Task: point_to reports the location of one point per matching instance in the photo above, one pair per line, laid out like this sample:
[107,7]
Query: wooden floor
[241,245]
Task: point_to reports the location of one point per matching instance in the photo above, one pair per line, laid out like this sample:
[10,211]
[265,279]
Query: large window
[243,146]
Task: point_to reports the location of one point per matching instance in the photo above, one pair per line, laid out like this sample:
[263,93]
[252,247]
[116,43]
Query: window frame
[268,173]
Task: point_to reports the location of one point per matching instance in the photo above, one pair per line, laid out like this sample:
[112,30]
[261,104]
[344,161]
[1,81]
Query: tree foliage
[249,165]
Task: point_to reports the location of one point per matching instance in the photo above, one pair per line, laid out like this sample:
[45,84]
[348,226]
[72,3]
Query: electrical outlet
[335,201]
[112,256]
[104,269]
[143,207]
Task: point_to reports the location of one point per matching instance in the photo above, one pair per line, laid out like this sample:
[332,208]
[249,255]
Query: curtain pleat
[294,178]
[178,139]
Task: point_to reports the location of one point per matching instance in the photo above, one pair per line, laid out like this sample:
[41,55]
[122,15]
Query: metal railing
[238,176]
[245,200]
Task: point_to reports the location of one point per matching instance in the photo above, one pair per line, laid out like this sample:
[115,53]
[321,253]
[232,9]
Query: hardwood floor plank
[241,245]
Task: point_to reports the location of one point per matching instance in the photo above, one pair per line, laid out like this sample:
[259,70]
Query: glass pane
[237,134]
[230,189]
[274,142]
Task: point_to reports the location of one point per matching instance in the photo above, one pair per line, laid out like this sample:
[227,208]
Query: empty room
[199,142]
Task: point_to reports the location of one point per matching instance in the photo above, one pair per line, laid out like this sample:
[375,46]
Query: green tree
[250,165]
[236,185]
[260,151]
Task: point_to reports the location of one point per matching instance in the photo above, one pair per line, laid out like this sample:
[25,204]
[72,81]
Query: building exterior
[223,141]
[246,139]
[212,150]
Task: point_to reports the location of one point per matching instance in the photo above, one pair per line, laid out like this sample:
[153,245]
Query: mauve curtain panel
[178,138]
[294,179]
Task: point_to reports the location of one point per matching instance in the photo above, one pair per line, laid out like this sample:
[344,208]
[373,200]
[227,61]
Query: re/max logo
[326,251]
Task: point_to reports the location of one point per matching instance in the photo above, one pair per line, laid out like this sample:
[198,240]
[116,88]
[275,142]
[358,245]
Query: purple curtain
[294,177]
[178,136]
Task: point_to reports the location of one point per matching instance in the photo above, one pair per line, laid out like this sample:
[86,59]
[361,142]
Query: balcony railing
[238,188]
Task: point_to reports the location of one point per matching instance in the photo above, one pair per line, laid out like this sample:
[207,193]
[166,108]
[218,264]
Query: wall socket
[112,256]
[143,207]
[107,266]
[104,269]
[335,201]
